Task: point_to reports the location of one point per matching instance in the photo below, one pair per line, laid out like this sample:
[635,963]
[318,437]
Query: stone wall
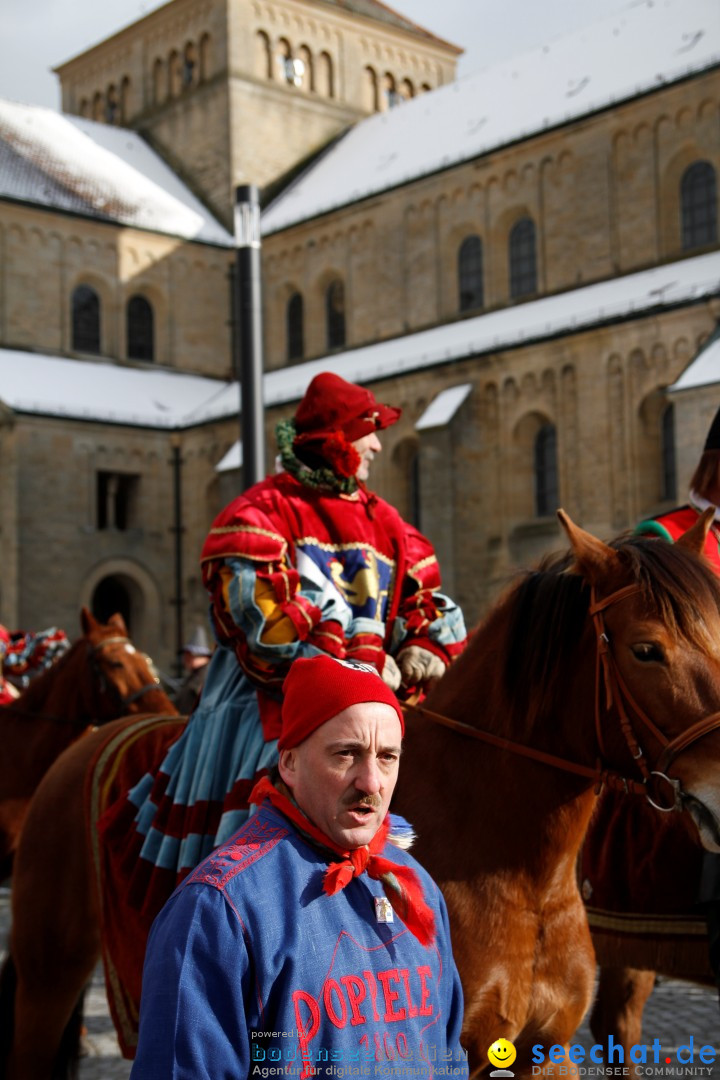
[46,255]
[604,193]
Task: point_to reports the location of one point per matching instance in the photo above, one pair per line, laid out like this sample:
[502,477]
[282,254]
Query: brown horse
[101,678]
[500,805]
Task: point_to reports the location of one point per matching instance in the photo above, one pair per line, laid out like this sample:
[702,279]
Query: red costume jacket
[341,573]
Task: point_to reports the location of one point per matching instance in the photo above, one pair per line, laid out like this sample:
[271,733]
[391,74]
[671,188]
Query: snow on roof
[645,45]
[113,393]
[442,408]
[105,392]
[704,370]
[107,172]
[232,460]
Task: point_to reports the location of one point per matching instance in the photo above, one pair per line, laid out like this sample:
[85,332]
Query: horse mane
[549,609]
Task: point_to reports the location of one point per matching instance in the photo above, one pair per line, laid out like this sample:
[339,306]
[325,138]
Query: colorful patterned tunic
[291,571]
[252,967]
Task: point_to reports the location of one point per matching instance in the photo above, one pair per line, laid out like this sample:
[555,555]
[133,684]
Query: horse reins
[615,691]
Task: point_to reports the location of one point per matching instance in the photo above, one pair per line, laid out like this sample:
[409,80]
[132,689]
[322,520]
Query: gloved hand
[391,673]
[418,665]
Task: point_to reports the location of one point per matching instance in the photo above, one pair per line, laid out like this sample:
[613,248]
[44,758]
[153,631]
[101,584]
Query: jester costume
[305,562]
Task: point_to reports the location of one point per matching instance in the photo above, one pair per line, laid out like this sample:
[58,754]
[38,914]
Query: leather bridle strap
[121,639]
[598,775]
[617,691]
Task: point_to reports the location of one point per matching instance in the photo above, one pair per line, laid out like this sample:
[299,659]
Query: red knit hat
[335,413]
[318,688]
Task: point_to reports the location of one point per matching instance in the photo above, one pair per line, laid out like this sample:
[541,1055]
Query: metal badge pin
[383,910]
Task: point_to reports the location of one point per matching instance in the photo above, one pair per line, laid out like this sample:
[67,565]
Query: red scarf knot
[401,884]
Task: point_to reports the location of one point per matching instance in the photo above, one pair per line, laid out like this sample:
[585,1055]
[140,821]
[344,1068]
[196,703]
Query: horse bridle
[94,650]
[615,691]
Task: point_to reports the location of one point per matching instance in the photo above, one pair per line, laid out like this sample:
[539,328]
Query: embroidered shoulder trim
[255,839]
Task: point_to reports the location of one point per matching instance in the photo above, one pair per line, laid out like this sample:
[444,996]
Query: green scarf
[321,478]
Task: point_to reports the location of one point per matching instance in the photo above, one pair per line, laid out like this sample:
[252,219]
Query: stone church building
[526,260]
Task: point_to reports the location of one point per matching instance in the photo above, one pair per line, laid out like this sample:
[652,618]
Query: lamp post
[248,338]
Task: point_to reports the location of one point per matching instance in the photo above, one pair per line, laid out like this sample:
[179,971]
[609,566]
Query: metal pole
[178,529]
[249,359]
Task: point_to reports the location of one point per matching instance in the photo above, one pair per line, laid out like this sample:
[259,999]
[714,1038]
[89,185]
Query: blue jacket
[252,970]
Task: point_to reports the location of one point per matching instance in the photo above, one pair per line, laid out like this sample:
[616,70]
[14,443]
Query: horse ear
[87,621]
[118,621]
[593,558]
[694,538]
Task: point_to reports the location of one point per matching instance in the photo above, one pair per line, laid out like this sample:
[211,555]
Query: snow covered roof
[704,370]
[106,172]
[442,408]
[232,460]
[113,393]
[103,391]
[645,45]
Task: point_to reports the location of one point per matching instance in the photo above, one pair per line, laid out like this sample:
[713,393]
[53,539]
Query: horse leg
[619,1004]
[55,939]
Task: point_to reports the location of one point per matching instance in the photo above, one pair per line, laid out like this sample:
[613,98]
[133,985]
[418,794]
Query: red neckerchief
[401,884]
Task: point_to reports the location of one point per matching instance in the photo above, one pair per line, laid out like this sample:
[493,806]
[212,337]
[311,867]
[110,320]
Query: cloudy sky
[38,34]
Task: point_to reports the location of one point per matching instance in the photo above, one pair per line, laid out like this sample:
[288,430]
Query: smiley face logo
[502,1053]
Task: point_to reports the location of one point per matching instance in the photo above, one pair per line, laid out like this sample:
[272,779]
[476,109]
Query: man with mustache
[309,943]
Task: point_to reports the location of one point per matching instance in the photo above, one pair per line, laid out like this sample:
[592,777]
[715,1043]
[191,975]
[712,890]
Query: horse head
[119,676]
[655,609]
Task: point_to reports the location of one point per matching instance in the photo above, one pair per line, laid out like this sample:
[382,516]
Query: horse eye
[648,652]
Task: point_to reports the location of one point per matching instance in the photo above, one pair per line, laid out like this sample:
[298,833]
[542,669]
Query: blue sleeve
[196,980]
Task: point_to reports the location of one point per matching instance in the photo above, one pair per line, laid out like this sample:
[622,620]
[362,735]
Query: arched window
[523,261]
[470,274]
[306,72]
[205,58]
[698,203]
[667,436]
[140,329]
[159,82]
[189,66]
[286,68]
[295,332]
[406,89]
[98,110]
[390,96]
[325,81]
[125,103]
[174,74]
[85,320]
[263,55]
[112,105]
[370,90]
[545,471]
[335,314]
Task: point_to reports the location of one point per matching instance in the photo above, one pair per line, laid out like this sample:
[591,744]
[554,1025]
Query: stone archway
[125,586]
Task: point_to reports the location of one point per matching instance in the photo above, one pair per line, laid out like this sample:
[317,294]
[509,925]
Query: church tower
[244,91]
